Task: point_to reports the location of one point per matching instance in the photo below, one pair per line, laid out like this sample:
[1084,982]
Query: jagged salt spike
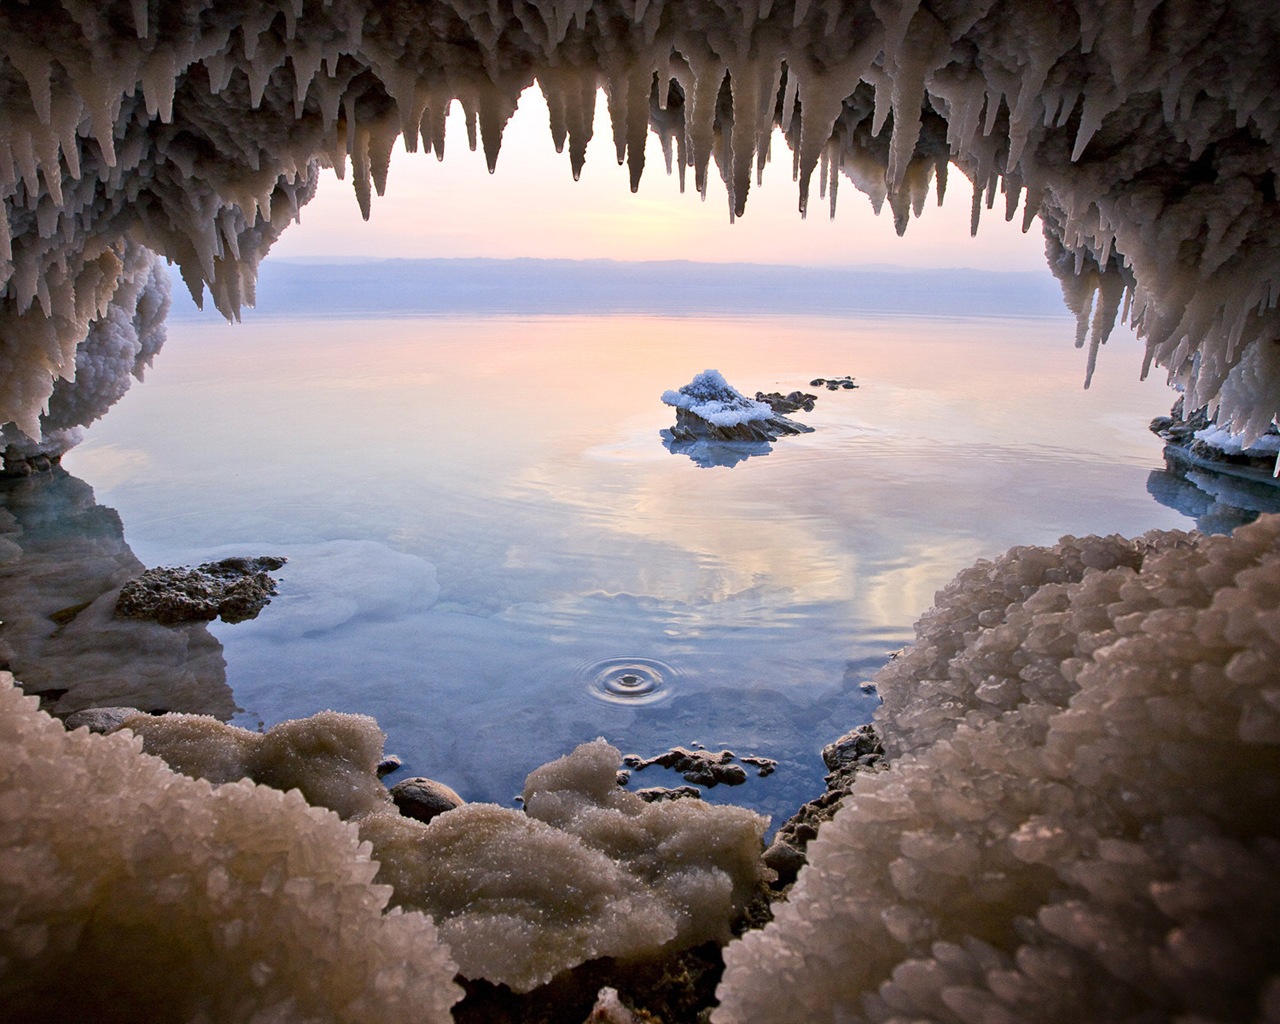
[637,15]
[582,128]
[834,185]
[47,149]
[36,68]
[801,12]
[883,107]
[639,89]
[292,12]
[700,118]
[789,99]
[159,81]
[557,103]
[908,97]
[140,19]
[941,169]
[359,148]
[975,212]
[746,103]
[1031,208]
[1097,104]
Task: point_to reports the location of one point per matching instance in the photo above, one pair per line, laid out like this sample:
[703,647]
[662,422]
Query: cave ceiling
[1141,134]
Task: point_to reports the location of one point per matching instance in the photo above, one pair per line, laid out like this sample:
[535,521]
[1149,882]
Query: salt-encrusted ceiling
[1143,132]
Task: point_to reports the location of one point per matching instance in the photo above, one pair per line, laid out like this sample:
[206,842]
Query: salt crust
[1080,820]
[586,870]
[131,893]
[1144,133]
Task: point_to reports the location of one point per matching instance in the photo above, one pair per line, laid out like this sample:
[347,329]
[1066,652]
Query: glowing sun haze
[531,207]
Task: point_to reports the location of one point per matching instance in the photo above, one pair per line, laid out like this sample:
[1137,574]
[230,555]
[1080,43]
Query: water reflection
[63,559]
[475,509]
[1217,502]
[706,454]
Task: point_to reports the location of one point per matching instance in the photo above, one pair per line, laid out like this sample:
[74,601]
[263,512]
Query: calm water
[491,551]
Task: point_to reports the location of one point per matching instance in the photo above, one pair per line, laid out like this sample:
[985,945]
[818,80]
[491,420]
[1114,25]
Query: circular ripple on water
[629,680]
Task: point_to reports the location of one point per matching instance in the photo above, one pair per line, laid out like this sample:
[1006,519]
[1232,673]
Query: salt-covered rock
[708,408]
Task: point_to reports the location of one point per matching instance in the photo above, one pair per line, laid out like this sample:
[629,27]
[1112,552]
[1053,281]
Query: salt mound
[589,871]
[1080,820]
[128,893]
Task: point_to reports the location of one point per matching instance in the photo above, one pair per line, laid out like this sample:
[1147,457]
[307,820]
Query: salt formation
[1143,132]
[119,344]
[128,893]
[1079,821]
[708,408]
[587,870]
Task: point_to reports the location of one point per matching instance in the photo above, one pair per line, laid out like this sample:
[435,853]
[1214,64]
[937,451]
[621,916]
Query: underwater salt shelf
[492,552]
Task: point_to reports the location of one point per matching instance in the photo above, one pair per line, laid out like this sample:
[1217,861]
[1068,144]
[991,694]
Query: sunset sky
[531,206]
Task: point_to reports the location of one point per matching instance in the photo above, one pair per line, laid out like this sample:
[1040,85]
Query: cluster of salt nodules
[1079,819]
[710,408]
[1148,130]
[586,870]
[130,892]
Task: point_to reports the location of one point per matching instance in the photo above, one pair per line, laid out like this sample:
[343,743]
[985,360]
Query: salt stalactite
[197,132]
[118,346]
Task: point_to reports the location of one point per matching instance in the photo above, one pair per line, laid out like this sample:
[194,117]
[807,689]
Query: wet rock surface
[100,720]
[656,794]
[794,401]
[233,589]
[1178,430]
[424,799]
[857,751]
[703,767]
[845,383]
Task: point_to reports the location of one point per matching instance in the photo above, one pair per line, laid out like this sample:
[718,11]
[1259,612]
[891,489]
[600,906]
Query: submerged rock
[700,766]
[235,589]
[656,794]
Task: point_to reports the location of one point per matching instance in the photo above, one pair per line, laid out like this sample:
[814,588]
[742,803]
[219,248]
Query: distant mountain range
[404,287]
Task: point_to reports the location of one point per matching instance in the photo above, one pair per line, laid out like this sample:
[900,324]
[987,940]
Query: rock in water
[424,799]
[235,588]
[708,408]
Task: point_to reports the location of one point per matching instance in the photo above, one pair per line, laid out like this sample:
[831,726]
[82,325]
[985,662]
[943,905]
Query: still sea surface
[492,551]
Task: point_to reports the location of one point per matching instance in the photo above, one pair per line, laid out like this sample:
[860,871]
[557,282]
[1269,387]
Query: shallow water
[492,552]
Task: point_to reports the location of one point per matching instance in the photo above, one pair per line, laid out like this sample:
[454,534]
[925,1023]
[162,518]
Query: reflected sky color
[479,512]
[531,206]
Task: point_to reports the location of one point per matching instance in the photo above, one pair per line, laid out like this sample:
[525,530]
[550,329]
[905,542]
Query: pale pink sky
[531,206]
